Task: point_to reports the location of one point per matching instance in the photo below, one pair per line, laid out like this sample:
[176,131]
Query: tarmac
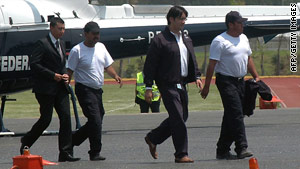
[273,136]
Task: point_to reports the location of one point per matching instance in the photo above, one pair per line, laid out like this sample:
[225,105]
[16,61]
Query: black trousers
[176,103]
[61,103]
[91,104]
[144,106]
[232,91]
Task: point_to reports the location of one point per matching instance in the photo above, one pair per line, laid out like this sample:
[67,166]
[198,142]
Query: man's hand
[257,79]
[148,96]
[205,92]
[119,80]
[112,73]
[65,78]
[199,85]
[58,77]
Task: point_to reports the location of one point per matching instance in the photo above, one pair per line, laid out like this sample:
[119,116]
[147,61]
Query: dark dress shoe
[243,154]
[184,159]
[67,157]
[226,156]
[152,148]
[97,158]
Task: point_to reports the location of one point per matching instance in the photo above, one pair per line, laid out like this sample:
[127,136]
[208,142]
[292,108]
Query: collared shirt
[163,63]
[53,39]
[183,54]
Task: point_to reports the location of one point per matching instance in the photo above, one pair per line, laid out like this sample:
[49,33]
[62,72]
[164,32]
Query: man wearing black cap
[88,60]
[230,59]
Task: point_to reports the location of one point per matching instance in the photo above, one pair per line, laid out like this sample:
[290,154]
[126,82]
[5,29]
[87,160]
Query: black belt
[229,77]
[82,85]
[182,80]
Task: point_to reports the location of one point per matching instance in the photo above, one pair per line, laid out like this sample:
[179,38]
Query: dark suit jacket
[251,90]
[45,61]
[163,60]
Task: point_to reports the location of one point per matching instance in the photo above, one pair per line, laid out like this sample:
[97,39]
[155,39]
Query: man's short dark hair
[234,16]
[55,20]
[91,27]
[176,11]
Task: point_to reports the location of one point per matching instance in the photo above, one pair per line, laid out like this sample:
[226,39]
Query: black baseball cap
[91,27]
[234,16]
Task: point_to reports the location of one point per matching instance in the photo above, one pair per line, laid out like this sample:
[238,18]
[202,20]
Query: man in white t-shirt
[88,60]
[230,59]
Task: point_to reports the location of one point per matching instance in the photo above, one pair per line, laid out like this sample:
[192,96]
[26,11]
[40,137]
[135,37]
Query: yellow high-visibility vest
[141,88]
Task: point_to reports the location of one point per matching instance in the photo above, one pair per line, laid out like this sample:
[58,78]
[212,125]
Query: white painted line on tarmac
[7,133]
[120,108]
[282,102]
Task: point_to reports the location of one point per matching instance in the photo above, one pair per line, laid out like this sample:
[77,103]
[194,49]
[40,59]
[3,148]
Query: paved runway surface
[273,136]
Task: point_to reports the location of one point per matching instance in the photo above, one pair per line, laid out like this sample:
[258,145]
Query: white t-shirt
[231,53]
[88,64]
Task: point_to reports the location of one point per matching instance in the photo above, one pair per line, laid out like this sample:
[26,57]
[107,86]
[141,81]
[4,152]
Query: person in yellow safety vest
[140,95]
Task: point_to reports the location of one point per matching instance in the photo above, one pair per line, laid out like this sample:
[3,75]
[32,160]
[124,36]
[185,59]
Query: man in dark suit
[172,64]
[50,78]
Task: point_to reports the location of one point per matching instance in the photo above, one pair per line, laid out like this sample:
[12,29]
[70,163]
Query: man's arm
[150,67]
[149,96]
[151,63]
[252,70]
[209,74]
[112,73]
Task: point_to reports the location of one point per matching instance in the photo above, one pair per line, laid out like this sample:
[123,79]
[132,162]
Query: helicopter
[126,30]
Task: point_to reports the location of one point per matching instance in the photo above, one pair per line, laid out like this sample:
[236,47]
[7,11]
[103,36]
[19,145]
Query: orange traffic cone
[46,162]
[253,163]
[28,161]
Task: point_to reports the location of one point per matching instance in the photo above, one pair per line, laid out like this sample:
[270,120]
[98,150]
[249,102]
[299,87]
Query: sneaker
[243,154]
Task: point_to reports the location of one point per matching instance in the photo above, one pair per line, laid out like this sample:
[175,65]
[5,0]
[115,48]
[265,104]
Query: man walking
[230,59]
[172,64]
[88,60]
[50,79]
